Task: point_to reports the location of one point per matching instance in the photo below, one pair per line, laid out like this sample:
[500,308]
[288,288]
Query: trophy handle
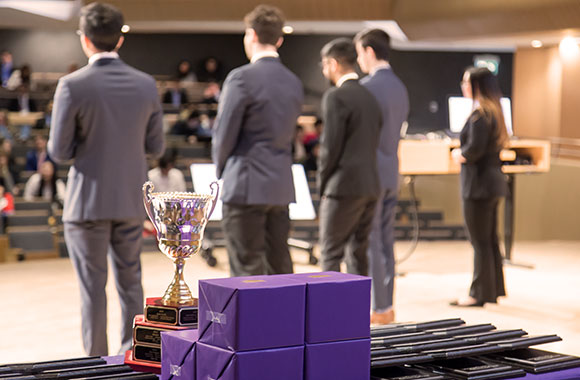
[148,203]
[214,186]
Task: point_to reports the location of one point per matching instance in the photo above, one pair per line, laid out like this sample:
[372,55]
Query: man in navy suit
[373,57]
[252,150]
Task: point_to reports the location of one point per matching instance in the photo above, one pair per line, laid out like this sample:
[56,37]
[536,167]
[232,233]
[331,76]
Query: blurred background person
[45,120]
[185,73]
[482,183]
[6,206]
[210,71]
[23,102]
[44,185]
[175,95]
[211,93]
[38,155]
[5,131]
[165,177]
[6,67]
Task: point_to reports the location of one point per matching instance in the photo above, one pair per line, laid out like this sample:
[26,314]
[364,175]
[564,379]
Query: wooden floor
[39,311]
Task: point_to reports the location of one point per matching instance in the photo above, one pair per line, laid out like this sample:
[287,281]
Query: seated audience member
[175,95]
[23,102]
[5,132]
[211,71]
[184,72]
[6,67]
[206,121]
[44,185]
[211,94]
[298,148]
[165,177]
[44,122]
[312,152]
[6,206]
[316,133]
[187,127]
[8,174]
[38,155]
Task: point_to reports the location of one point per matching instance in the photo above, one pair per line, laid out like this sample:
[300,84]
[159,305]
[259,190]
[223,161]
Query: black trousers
[481,222]
[257,239]
[345,225]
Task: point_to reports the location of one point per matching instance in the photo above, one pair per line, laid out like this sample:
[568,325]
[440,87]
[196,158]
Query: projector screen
[460,108]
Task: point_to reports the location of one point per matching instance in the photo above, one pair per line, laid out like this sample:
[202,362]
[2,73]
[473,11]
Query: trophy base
[150,333]
[156,311]
[141,366]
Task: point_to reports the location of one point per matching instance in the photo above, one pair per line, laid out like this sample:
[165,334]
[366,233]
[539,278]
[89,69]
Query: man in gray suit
[106,117]
[252,150]
[373,58]
[347,168]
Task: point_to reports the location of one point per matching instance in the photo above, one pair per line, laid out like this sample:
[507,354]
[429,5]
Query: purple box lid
[337,306]
[251,313]
[178,354]
[215,363]
[344,360]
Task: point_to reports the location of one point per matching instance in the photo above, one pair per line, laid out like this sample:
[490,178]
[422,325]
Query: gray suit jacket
[253,133]
[106,117]
[391,94]
[348,149]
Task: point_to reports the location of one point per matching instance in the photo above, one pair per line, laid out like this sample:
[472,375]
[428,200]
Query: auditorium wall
[431,76]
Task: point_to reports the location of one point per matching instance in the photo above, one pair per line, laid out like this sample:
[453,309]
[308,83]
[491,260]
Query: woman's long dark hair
[52,184]
[485,89]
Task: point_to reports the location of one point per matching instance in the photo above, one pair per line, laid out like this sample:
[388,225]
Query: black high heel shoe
[468,304]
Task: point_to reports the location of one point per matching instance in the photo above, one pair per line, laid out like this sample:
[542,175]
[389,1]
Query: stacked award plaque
[179,220]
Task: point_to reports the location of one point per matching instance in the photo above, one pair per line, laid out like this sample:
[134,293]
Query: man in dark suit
[107,117]
[373,57]
[347,169]
[252,150]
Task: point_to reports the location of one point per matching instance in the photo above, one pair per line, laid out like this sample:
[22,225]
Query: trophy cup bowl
[179,219]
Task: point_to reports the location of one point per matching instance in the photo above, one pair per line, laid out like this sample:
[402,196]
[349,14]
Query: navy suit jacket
[391,94]
[253,133]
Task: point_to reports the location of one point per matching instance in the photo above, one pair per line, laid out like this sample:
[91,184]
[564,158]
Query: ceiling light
[125,29]
[569,47]
[537,44]
[288,29]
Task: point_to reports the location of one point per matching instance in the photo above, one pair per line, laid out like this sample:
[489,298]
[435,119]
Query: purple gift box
[178,354]
[215,363]
[252,313]
[337,306]
[344,360]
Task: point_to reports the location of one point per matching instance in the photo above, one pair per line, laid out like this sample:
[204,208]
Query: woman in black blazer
[482,183]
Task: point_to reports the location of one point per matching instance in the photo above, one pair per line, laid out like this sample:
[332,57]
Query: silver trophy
[179,220]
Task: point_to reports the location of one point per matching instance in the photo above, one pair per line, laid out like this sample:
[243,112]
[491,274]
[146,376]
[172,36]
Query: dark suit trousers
[382,251]
[88,244]
[481,221]
[257,239]
[345,225]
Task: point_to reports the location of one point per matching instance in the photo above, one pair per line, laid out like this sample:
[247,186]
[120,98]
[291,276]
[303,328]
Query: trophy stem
[178,292]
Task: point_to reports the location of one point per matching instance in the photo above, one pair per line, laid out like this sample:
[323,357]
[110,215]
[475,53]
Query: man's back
[349,142]
[393,99]
[106,117]
[252,145]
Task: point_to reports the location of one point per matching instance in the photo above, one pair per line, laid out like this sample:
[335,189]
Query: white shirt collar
[264,54]
[346,77]
[384,66]
[105,54]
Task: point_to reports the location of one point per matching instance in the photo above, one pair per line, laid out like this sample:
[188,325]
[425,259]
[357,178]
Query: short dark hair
[267,21]
[341,49]
[102,24]
[376,39]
